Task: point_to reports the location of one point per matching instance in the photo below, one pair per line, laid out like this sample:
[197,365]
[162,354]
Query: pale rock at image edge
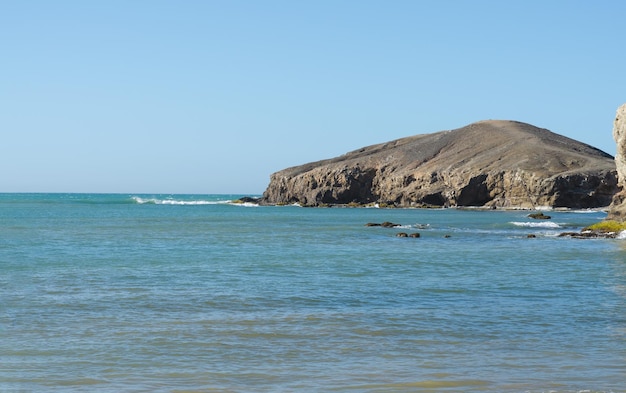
[617,210]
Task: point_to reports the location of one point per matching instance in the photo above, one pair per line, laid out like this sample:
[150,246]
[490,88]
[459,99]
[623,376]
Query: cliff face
[617,211]
[489,163]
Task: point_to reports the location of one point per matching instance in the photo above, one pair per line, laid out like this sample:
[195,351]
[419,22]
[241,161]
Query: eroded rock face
[617,211]
[490,163]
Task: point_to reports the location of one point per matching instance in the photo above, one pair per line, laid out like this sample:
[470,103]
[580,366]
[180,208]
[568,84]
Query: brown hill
[489,163]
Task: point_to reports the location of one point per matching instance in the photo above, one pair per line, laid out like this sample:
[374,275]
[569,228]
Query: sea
[197,293]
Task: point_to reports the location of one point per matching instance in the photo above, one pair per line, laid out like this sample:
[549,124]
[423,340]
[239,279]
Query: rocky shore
[615,224]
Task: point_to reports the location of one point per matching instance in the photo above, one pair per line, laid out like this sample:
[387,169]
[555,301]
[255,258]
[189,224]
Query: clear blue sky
[149,96]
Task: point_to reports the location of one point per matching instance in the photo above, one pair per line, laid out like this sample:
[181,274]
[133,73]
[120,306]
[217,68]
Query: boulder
[385,224]
[539,216]
[388,224]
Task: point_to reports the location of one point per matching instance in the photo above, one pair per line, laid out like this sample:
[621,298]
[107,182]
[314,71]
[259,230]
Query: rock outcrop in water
[617,210]
[489,163]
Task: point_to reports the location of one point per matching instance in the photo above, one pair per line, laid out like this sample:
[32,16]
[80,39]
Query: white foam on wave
[191,203]
[141,201]
[546,224]
[156,201]
[413,226]
[197,202]
[244,204]
[621,235]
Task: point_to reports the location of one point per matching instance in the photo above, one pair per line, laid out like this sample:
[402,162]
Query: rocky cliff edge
[492,163]
[617,210]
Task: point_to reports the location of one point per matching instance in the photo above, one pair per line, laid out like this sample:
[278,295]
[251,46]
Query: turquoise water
[189,293]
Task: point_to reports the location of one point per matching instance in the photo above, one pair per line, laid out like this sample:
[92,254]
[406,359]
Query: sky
[205,97]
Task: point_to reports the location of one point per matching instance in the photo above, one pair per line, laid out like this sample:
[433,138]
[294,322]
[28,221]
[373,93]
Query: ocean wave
[192,202]
[243,204]
[544,224]
[621,235]
[588,211]
[156,201]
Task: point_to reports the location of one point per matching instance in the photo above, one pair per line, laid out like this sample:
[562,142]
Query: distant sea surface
[192,293]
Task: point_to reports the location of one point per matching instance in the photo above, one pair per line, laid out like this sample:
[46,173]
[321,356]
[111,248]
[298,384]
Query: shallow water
[150,293]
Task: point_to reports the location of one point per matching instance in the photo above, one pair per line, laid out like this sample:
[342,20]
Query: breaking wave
[527,224]
[192,202]
[588,211]
[156,201]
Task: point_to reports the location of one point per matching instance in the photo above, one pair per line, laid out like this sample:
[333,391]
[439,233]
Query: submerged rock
[489,164]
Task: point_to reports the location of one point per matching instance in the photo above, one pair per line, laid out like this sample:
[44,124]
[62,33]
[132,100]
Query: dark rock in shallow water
[404,234]
[539,216]
[491,163]
[385,224]
[388,224]
[589,235]
[247,200]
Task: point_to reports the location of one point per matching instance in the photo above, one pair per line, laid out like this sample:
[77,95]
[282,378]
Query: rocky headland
[492,164]
[614,226]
